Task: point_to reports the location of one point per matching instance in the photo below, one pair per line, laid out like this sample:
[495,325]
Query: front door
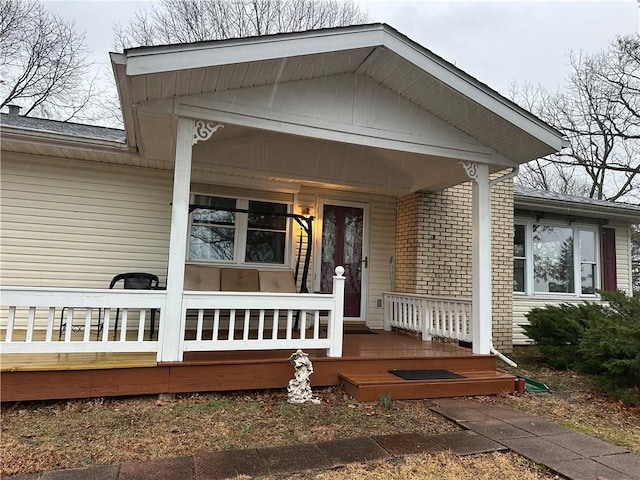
[343,243]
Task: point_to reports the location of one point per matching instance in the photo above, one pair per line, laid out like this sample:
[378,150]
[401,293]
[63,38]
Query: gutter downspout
[514,171]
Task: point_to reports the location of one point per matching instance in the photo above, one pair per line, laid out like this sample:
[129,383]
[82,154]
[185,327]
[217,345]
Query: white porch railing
[33,318]
[65,320]
[217,321]
[212,320]
[431,316]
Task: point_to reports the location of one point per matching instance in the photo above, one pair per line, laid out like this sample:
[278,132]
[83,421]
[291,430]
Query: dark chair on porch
[136,281]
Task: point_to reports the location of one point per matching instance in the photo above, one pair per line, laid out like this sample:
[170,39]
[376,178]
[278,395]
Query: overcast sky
[497,42]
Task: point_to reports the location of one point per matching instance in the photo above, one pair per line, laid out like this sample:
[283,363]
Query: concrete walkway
[487,429]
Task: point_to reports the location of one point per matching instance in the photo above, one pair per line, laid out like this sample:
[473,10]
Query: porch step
[368,387]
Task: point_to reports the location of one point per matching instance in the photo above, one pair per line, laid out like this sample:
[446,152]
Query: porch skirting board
[207,376]
[60,376]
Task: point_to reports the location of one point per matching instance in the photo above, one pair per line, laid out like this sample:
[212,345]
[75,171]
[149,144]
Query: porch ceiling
[266,155]
[152,81]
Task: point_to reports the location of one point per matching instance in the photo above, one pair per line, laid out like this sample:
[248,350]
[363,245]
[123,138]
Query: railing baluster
[232,324]
[216,324]
[199,324]
[141,322]
[289,323]
[68,325]
[303,324]
[31,321]
[123,324]
[87,324]
[316,324]
[10,324]
[261,325]
[50,318]
[274,328]
[247,317]
[105,325]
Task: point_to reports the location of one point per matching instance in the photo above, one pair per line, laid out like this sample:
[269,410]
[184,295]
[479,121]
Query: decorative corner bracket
[203,130]
[471,168]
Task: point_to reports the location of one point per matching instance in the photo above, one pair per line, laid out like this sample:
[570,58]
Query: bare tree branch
[597,110]
[44,62]
[185,21]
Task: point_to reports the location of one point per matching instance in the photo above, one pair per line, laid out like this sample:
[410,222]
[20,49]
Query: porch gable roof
[376,51]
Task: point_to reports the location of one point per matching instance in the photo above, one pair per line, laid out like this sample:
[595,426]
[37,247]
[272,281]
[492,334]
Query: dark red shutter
[609,283]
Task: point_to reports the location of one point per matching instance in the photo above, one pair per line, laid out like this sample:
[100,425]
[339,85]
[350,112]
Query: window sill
[556,296]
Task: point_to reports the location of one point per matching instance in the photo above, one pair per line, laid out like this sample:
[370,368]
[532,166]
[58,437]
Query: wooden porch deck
[362,370]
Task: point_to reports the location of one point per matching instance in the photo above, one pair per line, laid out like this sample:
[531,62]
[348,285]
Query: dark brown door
[342,235]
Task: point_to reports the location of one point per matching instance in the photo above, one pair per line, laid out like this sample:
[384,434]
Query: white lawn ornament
[300,387]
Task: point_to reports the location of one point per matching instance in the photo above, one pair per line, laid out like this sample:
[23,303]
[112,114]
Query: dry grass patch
[442,466]
[41,436]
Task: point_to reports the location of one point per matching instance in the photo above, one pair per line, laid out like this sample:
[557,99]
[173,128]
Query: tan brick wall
[433,249]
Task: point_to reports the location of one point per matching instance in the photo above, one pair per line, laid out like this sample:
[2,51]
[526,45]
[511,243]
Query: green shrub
[610,348]
[559,329]
[603,341]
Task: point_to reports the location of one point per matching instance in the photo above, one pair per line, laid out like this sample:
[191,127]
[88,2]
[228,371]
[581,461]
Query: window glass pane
[588,275]
[215,213]
[265,246]
[518,275]
[518,241]
[587,246]
[213,228]
[329,236]
[262,217]
[353,223]
[214,243]
[266,236]
[553,259]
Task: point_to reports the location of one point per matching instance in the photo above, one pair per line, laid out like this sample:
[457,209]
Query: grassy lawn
[39,436]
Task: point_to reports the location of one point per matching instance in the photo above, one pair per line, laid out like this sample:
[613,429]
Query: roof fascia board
[285,124]
[568,208]
[159,60]
[471,88]
[118,66]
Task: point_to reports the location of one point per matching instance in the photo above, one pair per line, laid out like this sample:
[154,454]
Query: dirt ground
[39,436]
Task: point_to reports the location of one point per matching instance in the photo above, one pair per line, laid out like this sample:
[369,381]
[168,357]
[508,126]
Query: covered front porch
[358,124]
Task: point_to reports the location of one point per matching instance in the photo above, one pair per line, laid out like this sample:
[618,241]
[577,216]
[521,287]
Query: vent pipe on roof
[14,109]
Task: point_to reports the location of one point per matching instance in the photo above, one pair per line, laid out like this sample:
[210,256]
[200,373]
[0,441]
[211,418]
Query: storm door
[342,242]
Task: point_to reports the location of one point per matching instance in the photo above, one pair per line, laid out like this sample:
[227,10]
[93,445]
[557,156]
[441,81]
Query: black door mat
[355,331]
[359,331]
[425,374]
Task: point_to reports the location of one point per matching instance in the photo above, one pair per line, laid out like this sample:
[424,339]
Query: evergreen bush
[559,329]
[600,340]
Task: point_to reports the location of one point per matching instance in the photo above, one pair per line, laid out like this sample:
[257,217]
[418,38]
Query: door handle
[366,262]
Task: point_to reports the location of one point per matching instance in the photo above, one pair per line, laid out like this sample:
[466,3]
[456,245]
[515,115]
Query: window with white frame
[555,259]
[235,230]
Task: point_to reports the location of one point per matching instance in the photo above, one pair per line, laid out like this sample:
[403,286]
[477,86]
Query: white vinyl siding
[522,304]
[69,223]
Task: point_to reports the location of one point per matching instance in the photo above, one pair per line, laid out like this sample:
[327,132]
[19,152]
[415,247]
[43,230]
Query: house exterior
[566,248]
[391,167]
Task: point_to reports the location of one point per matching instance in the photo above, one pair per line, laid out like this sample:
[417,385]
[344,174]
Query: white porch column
[481,321]
[172,320]
[170,332]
